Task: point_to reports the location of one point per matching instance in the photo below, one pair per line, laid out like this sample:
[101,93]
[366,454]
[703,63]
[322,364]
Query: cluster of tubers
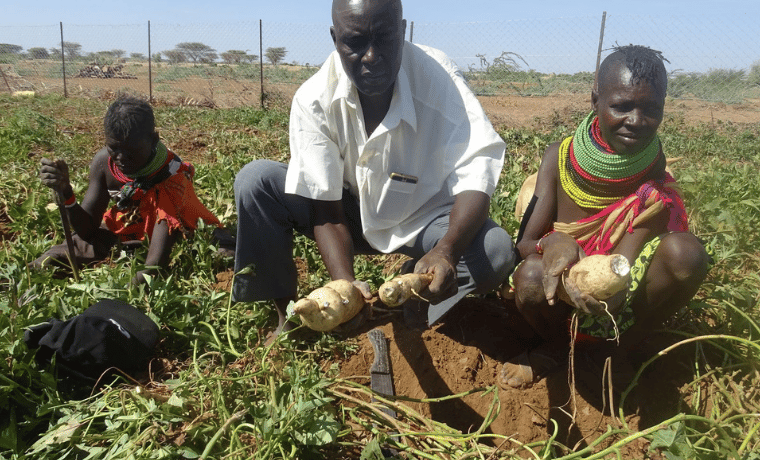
[324,309]
[600,276]
[339,301]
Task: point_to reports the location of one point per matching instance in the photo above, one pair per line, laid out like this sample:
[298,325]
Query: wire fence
[231,64]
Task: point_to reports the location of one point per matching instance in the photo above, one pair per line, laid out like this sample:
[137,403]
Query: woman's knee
[684,256]
[529,285]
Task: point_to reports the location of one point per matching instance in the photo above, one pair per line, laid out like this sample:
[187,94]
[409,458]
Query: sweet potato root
[599,276]
[395,292]
[327,307]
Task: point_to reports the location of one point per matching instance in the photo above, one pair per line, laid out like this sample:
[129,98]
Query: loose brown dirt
[468,349]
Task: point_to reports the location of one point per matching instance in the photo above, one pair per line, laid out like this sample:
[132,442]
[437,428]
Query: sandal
[526,369]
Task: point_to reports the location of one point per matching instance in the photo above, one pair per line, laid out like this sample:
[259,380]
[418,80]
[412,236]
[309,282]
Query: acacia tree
[175,56]
[197,52]
[275,55]
[137,56]
[38,53]
[7,48]
[237,56]
[72,49]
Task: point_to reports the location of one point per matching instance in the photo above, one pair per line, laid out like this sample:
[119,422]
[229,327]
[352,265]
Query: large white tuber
[395,292]
[327,307]
[600,276]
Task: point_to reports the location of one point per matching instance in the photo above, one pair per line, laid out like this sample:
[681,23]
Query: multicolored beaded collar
[594,176]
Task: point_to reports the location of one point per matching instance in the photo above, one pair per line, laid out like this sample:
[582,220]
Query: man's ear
[403,29]
[154,141]
[334,38]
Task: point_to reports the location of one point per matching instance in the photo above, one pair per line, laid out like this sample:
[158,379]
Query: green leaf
[372,451]
[672,441]
[8,431]
[321,430]
[175,400]
[665,437]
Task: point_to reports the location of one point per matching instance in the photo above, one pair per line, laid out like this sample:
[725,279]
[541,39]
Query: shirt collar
[402,103]
[344,89]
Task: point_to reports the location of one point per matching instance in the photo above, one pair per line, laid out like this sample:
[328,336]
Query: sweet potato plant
[215,391]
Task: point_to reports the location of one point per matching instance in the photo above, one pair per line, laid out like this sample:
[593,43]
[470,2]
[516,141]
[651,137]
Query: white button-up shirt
[435,130]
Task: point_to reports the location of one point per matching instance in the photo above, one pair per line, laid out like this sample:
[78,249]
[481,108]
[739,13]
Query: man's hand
[444,284]
[55,174]
[560,252]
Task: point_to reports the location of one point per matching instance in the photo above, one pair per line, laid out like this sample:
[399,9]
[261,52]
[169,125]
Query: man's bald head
[339,6]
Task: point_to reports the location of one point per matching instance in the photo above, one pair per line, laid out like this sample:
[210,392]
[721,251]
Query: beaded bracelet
[539,248]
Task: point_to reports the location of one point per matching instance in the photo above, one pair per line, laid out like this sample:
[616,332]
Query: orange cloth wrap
[173,200]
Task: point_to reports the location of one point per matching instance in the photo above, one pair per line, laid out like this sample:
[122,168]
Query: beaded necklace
[594,176]
[155,171]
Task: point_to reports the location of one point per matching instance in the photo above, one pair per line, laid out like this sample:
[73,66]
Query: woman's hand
[55,174]
[560,252]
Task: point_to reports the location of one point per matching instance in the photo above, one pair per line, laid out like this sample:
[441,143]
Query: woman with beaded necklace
[605,190]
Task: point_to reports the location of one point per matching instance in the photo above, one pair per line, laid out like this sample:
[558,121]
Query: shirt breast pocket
[396,200]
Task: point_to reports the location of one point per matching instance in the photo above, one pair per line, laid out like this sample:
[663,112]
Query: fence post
[411,33]
[150,69]
[63,64]
[599,51]
[261,63]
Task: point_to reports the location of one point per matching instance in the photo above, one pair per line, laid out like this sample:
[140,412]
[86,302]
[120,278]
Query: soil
[467,350]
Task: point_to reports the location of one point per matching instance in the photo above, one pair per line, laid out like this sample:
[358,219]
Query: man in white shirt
[390,153]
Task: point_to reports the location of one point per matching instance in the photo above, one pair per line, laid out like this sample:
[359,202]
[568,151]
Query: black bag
[109,334]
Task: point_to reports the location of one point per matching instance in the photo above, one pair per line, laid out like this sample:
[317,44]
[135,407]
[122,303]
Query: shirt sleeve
[316,166]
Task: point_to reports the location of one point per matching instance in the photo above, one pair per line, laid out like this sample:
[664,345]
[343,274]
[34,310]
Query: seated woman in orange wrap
[606,190]
[152,190]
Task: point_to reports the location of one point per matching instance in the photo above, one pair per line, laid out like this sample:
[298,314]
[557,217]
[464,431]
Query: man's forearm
[336,247]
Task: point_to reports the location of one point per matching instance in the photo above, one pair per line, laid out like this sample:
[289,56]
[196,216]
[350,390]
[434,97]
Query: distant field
[235,85]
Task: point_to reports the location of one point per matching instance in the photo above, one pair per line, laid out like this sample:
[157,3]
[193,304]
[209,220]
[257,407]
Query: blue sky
[552,35]
[44,12]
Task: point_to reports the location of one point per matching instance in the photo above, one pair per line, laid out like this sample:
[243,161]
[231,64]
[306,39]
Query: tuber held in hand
[395,292]
[600,276]
[327,307]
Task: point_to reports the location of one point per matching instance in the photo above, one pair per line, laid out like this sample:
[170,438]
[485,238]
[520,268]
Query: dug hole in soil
[467,349]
